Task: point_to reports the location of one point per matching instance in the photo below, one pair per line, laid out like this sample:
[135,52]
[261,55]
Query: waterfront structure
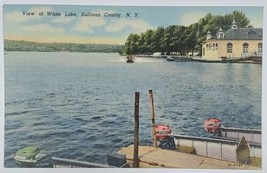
[235,43]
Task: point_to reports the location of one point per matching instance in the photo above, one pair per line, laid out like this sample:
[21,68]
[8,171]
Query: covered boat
[29,154]
[162,132]
[212,125]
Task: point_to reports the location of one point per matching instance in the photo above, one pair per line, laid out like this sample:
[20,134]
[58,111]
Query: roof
[243,34]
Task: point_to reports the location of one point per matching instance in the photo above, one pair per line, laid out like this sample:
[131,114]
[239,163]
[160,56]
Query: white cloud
[42,28]
[19,17]
[88,24]
[62,20]
[41,9]
[102,12]
[137,25]
[190,18]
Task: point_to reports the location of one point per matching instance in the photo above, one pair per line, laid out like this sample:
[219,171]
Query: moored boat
[212,125]
[162,132]
[169,58]
[130,59]
[29,154]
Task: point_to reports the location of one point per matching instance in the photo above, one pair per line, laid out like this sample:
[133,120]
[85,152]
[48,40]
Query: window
[229,48]
[245,48]
[260,47]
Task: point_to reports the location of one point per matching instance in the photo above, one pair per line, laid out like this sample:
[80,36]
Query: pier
[208,153]
[150,157]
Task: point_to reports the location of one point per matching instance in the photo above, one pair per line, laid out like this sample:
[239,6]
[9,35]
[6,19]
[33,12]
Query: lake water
[81,105]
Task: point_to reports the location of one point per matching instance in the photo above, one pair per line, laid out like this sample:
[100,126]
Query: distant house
[233,44]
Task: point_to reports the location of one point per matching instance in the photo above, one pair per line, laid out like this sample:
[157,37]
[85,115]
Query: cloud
[102,12]
[62,20]
[137,25]
[88,24]
[42,28]
[190,18]
[41,9]
[19,17]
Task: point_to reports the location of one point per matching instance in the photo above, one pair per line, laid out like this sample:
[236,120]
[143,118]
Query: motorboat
[162,132]
[130,59]
[169,58]
[28,154]
[212,125]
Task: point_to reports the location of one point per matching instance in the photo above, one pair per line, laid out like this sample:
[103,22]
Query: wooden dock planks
[155,157]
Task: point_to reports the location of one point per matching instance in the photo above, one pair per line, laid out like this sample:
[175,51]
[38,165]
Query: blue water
[81,105]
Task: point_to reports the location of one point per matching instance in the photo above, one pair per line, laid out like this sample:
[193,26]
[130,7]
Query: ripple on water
[89,112]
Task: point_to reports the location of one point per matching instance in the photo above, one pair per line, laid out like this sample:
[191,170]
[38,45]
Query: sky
[111,25]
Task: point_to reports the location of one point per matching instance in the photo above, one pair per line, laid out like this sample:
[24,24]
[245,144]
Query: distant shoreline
[28,46]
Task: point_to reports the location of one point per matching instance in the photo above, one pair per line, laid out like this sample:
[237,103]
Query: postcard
[119,86]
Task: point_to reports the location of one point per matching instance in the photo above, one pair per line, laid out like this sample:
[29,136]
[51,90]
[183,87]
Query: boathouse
[235,43]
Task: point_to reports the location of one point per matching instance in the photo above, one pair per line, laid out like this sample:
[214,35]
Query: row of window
[213,46]
[229,47]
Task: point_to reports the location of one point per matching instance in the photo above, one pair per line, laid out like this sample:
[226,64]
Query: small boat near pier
[214,125]
[130,59]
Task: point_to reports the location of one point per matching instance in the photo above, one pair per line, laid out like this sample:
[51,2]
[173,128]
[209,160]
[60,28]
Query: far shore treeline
[176,39]
[15,45]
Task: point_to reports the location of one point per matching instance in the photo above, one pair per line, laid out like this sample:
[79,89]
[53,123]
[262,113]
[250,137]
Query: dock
[150,157]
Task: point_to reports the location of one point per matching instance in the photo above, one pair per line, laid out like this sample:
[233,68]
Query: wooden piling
[136,131]
[152,113]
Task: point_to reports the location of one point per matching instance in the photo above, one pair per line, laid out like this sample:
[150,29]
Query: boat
[28,154]
[219,148]
[212,125]
[130,59]
[235,134]
[169,58]
[162,132]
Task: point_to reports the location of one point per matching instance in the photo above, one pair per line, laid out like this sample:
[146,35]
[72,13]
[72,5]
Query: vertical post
[136,130]
[152,113]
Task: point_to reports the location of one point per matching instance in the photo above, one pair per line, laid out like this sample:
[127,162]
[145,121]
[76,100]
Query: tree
[168,39]
[131,44]
[149,41]
[159,40]
[192,33]
[240,19]
[175,38]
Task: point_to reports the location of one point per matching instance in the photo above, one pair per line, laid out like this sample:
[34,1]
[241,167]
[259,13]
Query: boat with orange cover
[212,125]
